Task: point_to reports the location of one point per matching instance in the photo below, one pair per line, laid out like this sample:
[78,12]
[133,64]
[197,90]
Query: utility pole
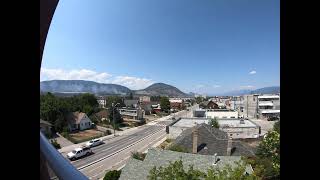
[114,127]
[114,130]
[247,105]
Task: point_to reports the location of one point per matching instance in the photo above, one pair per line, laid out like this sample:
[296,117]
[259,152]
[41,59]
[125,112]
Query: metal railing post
[60,166]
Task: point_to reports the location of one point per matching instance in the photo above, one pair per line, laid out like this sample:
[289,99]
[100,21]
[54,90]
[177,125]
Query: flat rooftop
[190,122]
[236,123]
[220,110]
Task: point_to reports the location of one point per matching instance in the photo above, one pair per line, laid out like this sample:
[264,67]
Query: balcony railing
[61,167]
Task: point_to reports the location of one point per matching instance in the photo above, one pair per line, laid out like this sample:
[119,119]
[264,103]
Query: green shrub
[55,144]
[138,155]
[112,175]
[108,132]
[175,147]
[214,123]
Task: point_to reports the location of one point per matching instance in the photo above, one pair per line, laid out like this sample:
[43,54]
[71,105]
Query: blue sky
[206,46]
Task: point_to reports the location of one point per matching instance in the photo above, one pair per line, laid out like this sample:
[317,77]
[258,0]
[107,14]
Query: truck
[79,152]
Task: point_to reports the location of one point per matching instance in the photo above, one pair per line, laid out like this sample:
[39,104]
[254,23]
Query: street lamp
[114,127]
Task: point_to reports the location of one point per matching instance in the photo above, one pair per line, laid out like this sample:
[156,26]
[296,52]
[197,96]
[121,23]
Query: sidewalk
[62,141]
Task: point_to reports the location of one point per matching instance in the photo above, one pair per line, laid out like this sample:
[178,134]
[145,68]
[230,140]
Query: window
[232,117]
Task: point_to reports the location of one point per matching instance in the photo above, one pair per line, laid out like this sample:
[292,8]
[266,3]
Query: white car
[94,142]
[79,152]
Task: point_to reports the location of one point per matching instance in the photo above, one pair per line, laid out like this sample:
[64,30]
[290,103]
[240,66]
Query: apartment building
[261,106]
[101,101]
[269,106]
[132,113]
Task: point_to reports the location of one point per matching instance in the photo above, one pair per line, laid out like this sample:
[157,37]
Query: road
[115,152]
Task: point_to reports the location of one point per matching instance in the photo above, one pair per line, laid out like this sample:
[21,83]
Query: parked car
[79,152]
[94,142]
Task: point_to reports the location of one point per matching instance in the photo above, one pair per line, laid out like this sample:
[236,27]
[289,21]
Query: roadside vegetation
[112,175]
[266,164]
[138,155]
[55,143]
[178,148]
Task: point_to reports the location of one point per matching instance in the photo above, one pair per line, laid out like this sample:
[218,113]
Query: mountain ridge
[83,86]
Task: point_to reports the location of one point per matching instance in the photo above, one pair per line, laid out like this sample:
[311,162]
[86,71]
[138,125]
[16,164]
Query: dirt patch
[165,144]
[85,135]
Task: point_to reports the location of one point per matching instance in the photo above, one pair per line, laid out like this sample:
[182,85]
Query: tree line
[54,109]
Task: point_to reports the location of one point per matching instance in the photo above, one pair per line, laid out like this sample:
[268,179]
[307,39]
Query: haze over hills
[71,87]
[265,90]
[81,86]
[63,87]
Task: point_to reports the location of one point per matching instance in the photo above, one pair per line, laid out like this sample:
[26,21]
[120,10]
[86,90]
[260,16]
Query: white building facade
[221,113]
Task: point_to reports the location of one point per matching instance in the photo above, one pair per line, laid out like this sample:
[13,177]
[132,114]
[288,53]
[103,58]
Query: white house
[78,121]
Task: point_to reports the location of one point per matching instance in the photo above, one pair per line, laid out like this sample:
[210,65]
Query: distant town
[130,136]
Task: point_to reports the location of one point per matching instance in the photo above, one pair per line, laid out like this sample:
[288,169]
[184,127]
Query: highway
[115,152]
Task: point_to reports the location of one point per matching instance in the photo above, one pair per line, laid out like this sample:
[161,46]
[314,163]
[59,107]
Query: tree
[276,126]
[130,96]
[214,123]
[269,148]
[115,100]
[165,104]
[112,175]
[54,109]
[199,100]
[155,98]
[117,116]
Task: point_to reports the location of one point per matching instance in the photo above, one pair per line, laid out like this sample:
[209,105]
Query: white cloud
[89,75]
[132,82]
[216,86]
[82,74]
[253,72]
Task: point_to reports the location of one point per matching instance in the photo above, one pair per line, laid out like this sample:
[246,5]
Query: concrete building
[240,128]
[144,99]
[132,113]
[236,103]
[221,113]
[102,101]
[236,128]
[261,106]
[176,128]
[199,113]
[131,103]
[269,106]
[250,103]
